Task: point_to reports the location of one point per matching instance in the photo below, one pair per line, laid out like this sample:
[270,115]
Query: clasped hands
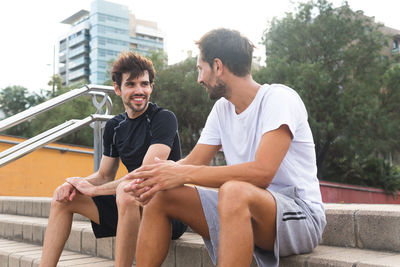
[149,179]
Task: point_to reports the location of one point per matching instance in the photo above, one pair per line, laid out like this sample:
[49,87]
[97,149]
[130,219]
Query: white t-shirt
[240,135]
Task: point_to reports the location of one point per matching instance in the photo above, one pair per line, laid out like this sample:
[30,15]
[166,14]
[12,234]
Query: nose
[199,79]
[139,89]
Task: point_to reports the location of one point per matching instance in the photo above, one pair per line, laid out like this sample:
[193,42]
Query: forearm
[96,179]
[108,188]
[215,176]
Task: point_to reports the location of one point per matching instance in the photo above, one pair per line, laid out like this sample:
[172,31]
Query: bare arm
[107,170]
[200,155]
[102,182]
[260,172]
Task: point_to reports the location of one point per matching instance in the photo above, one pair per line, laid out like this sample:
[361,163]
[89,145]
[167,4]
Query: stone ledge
[365,226]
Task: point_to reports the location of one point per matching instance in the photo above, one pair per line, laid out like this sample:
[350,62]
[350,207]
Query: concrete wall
[40,172]
[344,193]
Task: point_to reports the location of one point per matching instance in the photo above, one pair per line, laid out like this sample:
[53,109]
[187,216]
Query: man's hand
[133,189]
[83,186]
[65,192]
[149,179]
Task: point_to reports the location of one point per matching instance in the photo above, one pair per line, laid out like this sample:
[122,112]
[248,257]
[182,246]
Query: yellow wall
[40,172]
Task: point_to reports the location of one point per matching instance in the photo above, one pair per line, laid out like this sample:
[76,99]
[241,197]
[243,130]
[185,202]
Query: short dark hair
[133,63]
[233,49]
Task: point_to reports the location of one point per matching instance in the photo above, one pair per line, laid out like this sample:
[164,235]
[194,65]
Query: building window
[395,44]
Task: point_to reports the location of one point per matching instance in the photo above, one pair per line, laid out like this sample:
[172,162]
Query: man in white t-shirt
[268,203]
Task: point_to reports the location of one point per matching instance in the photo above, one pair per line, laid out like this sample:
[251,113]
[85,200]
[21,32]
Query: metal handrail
[54,102]
[47,137]
[96,121]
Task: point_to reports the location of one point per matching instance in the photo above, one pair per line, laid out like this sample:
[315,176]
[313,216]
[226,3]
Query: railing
[96,121]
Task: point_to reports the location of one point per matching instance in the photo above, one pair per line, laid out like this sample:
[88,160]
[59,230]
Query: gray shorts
[298,228]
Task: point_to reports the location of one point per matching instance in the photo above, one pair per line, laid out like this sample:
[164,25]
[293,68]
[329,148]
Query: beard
[217,91]
[137,109]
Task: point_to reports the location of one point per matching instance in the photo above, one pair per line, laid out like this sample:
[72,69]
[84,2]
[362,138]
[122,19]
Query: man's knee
[123,198]
[233,197]
[165,201]
[64,205]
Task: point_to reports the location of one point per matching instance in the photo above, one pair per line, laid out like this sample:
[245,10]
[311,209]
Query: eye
[129,84]
[145,84]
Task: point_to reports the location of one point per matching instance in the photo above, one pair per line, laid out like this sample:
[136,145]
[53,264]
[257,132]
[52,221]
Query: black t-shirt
[130,139]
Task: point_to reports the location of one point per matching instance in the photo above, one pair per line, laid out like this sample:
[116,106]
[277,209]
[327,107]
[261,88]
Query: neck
[243,92]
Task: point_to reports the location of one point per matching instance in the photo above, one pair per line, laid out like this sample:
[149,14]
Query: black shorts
[108,213]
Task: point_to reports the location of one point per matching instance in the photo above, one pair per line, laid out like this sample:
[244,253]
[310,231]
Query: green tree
[14,99]
[331,57]
[390,109]
[78,108]
[56,83]
[159,59]
[176,89]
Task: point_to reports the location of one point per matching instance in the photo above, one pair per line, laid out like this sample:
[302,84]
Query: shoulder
[161,114]
[116,120]
[280,90]
[221,107]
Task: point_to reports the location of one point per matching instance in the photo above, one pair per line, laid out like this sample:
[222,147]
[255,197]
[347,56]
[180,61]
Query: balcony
[78,51]
[78,74]
[77,63]
[77,40]
[62,58]
[62,69]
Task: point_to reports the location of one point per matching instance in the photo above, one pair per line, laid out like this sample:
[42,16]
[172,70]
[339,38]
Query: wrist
[188,178]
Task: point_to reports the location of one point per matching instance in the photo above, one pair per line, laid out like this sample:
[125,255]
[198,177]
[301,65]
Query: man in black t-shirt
[140,135]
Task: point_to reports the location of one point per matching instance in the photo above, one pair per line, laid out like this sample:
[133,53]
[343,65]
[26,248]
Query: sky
[30,29]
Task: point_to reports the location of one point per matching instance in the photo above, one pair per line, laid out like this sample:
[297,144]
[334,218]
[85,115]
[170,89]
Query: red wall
[343,193]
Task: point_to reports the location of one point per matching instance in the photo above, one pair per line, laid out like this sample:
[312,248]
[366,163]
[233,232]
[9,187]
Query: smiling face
[135,93]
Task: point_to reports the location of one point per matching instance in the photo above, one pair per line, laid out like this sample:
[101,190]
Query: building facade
[96,37]
[394,41]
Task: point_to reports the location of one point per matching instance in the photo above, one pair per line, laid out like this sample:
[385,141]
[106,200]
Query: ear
[218,66]
[117,90]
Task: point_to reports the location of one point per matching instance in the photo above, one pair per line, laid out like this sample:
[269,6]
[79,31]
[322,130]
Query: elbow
[263,177]
[263,181]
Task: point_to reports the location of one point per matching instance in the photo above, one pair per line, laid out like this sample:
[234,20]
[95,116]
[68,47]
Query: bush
[372,171]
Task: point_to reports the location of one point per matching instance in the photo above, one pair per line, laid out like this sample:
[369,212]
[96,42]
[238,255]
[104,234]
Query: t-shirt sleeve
[210,134]
[282,107]
[164,127]
[109,148]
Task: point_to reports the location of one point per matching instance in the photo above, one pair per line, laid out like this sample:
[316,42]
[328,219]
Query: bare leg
[247,217]
[59,225]
[128,227]
[182,203]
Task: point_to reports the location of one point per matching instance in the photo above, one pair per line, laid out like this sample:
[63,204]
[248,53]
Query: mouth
[138,99]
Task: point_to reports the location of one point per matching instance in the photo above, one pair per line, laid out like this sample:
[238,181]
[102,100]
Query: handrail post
[97,143]
[98,128]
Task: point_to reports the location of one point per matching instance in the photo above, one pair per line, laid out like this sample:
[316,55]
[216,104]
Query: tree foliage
[14,99]
[176,89]
[331,57]
[78,108]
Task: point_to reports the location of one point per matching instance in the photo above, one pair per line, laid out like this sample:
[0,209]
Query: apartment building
[96,37]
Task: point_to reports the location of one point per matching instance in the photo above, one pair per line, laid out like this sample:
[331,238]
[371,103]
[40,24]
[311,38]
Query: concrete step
[32,230]
[19,254]
[365,226]
[352,229]
[29,206]
[341,257]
